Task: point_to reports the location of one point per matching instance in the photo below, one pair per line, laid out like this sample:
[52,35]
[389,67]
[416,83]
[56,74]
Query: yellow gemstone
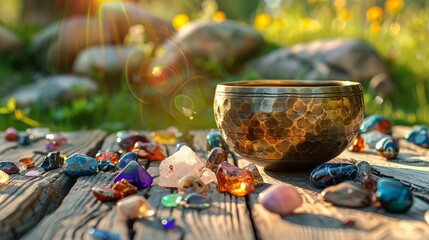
[166,136]
[4,178]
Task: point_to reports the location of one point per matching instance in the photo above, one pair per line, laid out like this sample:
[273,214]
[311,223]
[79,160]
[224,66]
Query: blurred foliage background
[398,29]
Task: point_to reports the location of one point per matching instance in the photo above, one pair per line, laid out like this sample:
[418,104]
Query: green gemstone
[171,200]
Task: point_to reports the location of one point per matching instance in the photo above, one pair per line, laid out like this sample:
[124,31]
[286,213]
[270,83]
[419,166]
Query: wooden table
[57,206]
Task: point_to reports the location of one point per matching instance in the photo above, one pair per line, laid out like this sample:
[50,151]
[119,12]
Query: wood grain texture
[24,201]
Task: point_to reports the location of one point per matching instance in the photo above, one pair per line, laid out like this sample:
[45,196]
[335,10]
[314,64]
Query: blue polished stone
[373,137]
[376,123]
[52,161]
[136,175]
[97,234]
[196,200]
[127,158]
[388,148]
[419,136]
[393,195]
[169,223]
[215,139]
[329,174]
[80,165]
[24,140]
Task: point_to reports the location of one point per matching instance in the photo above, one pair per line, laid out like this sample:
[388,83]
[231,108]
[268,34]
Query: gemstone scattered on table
[11,134]
[393,195]
[9,167]
[281,199]
[24,140]
[329,174]
[98,234]
[191,184]
[136,175]
[135,207]
[127,142]
[419,136]
[105,194]
[169,223]
[149,151]
[4,178]
[33,173]
[348,194]
[215,139]
[232,179]
[387,148]
[107,155]
[37,133]
[26,162]
[376,123]
[80,165]
[216,156]
[171,200]
[55,140]
[181,163]
[124,188]
[207,175]
[372,138]
[127,158]
[358,144]
[257,178]
[196,200]
[166,136]
[52,161]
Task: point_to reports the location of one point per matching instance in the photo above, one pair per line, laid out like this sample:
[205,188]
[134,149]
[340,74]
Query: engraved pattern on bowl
[283,124]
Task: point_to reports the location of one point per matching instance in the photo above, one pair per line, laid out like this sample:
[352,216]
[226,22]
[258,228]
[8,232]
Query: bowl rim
[289,86]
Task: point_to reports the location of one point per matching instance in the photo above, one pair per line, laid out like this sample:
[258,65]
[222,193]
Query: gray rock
[9,42]
[338,59]
[106,62]
[48,91]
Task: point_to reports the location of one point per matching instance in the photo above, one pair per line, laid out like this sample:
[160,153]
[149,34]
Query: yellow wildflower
[180,20]
[219,16]
[394,28]
[278,22]
[339,4]
[262,21]
[375,28]
[344,14]
[394,6]
[311,24]
[374,13]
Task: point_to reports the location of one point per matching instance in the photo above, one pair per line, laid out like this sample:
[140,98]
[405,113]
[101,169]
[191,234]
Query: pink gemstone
[281,199]
[33,174]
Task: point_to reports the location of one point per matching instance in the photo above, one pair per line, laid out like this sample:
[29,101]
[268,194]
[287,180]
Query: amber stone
[358,145]
[11,134]
[149,151]
[232,179]
[105,194]
[107,155]
[26,162]
[166,136]
[216,156]
[127,142]
[4,178]
[124,187]
[257,178]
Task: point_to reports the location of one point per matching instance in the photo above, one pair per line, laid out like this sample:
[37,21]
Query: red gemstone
[11,134]
[149,151]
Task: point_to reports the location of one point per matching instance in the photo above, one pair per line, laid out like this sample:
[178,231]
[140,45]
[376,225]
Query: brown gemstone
[348,194]
[124,188]
[232,179]
[26,162]
[105,194]
[358,145]
[191,184]
[149,151]
[216,156]
[257,178]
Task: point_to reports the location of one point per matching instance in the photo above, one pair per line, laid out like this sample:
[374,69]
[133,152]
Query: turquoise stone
[387,148]
[24,140]
[373,137]
[393,195]
[136,175]
[52,161]
[215,139]
[127,158]
[329,174]
[171,200]
[80,165]
[419,136]
[376,123]
[98,234]
[196,200]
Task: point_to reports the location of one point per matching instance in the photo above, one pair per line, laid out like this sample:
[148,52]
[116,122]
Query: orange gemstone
[149,151]
[26,162]
[358,145]
[124,188]
[107,156]
[104,194]
[232,179]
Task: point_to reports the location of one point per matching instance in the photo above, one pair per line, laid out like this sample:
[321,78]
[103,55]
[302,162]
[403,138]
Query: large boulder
[9,41]
[51,90]
[57,46]
[338,59]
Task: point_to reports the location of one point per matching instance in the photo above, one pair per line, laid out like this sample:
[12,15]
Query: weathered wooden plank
[24,201]
[316,219]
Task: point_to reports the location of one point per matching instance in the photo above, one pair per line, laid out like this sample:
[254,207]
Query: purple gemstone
[136,175]
[127,158]
[168,223]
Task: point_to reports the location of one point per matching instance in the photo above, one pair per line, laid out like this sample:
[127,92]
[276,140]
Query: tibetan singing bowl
[285,125]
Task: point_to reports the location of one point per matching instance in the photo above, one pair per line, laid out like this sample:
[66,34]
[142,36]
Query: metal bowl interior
[284,124]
